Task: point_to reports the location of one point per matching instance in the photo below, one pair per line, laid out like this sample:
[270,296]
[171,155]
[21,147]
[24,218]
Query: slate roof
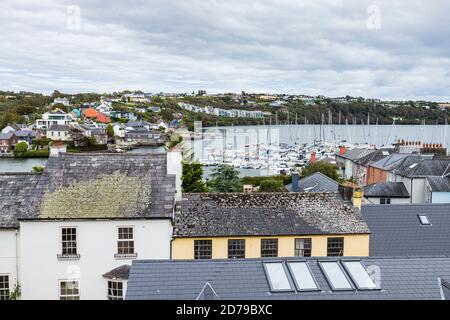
[15,189]
[6,136]
[91,186]
[121,272]
[392,161]
[400,278]
[439,184]
[316,182]
[354,153]
[265,214]
[59,127]
[386,189]
[416,168]
[396,229]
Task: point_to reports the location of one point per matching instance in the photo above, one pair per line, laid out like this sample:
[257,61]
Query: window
[359,275]
[424,220]
[69,290]
[269,248]
[125,241]
[202,249]
[69,242]
[335,275]
[385,201]
[303,247]
[304,280]
[236,249]
[115,290]
[4,287]
[277,277]
[335,247]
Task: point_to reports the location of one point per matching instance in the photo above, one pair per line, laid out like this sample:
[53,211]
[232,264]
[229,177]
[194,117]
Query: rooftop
[264,214]
[386,189]
[395,278]
[15,190]
[92,186]
[316,182]
[59,127]
[416,168]
[397,229]
[439,184]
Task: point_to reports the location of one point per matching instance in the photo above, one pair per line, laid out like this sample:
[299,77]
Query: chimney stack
[313,157]
[295,182]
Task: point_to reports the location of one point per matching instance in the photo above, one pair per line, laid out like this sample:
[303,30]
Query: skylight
[276,274]
[335,275]
[424,220]
[359,275]
[304,280]
[413,165]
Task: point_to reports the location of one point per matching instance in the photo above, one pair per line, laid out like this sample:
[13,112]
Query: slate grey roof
[354,153]
[400,278]
[121,272]
[416,168]
[316,182]
[59,127]
[103,186]
[386,189]
[15,189]
[439,184]
[6,136]
[396,229]
[392,161]
[264,214]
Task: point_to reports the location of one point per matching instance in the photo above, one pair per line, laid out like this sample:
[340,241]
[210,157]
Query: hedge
[32,154]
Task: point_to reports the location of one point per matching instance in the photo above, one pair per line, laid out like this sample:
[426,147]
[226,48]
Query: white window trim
[69,280]
[108,296]
[118,255]
[62,256]
[9,280]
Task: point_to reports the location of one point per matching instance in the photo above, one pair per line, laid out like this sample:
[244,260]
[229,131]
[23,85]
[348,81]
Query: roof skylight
[335,275]
[304,280]
[276,274]
[424,220]
[359,275]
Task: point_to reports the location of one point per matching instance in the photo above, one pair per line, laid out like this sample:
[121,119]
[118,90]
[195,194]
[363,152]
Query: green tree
[271,185]
[328,169]
[225,179]
[110,130]
[192,178]
[21,147]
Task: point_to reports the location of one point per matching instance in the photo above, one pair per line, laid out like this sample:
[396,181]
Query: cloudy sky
[390,49]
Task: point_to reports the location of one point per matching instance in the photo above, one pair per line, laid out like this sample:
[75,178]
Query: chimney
[295,182]
[313,157]
[357,198]
[174,166]
[351,192]
[342,150]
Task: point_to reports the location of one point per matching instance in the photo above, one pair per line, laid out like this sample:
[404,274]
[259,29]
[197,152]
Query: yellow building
[254,225]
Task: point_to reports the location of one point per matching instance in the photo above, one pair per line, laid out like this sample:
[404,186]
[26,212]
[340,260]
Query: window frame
[112,297]
[261,249]
[68,296]
[61,255]
[295,247]
[8,289]
[294,278]
[119,255]
[343,246]
[211,249]
[286,272]
[353,279]
[330,283]
[385,200]
[228,247]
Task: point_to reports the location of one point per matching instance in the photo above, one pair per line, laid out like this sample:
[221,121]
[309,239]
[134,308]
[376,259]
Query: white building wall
[9,260]
[440,197]
[418,194]
[96,242]
[376,200]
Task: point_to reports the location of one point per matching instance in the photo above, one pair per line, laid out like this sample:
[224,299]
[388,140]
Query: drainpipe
[17,256]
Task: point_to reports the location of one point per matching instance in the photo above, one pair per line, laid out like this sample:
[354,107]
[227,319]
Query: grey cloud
[294,46]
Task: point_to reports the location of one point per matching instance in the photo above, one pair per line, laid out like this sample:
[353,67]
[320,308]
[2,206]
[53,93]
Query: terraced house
[75,229]
[242,225]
